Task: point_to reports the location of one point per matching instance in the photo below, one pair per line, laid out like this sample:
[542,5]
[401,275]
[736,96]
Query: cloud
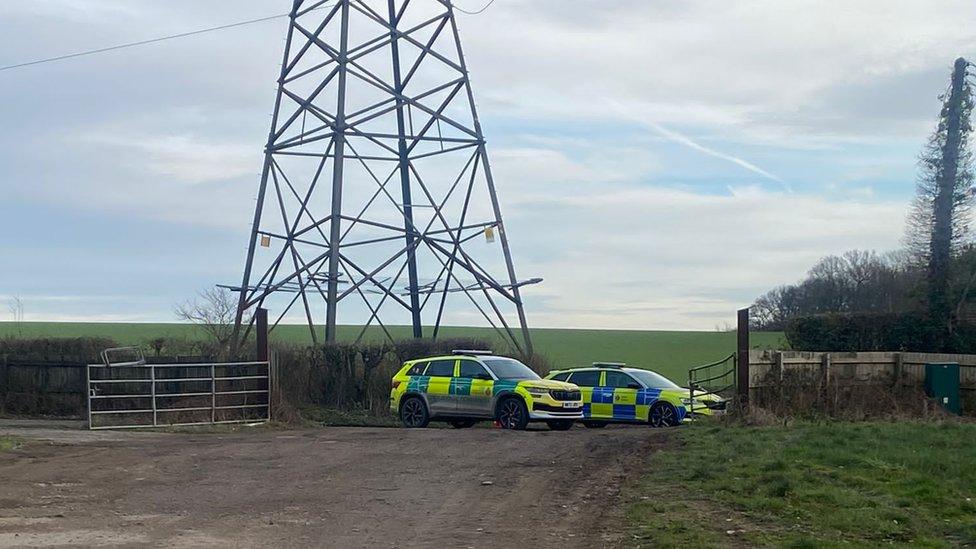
[184,158]
[659,258]
[633,144]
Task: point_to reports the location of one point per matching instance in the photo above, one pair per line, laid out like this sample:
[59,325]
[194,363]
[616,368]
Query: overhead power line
[476,12]
[182,35]
[142,42]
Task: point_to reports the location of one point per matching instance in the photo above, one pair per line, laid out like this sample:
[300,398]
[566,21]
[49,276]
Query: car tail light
[396,383]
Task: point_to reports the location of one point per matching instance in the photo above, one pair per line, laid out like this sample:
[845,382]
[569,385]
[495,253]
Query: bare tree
[857,281]
[214,312]
[16,307]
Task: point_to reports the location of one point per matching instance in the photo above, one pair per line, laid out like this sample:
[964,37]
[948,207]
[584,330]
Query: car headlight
[688,402]
[537,390]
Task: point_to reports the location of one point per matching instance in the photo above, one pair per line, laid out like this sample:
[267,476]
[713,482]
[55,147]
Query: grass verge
[811,485]
[9,443]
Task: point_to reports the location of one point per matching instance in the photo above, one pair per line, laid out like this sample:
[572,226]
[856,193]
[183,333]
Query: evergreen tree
[938,227]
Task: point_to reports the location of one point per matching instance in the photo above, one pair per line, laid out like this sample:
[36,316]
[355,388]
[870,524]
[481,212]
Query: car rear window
[441,368]
[470,368]
[619,380]
[589,378]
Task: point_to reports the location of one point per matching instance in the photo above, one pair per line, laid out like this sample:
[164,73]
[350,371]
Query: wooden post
[825,380]
[897,373]
[261,318]
[825,369]
[742,359]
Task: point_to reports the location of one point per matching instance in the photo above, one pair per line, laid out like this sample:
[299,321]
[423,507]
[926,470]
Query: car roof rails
[609,364]
[471,352]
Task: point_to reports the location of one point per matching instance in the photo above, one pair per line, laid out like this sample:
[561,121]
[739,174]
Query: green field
[828,484]
[670,352]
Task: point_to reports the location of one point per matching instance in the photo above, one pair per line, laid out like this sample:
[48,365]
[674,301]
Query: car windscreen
[508,368]
[653,380]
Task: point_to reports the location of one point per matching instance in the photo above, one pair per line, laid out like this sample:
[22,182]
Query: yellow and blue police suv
[468,386]
[613,393]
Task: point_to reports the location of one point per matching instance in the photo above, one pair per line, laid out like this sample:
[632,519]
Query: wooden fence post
[825,368]
[898,367]
[261,318]
[742,359]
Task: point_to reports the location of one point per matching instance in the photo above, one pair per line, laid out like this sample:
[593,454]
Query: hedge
[878,332]
[59,350]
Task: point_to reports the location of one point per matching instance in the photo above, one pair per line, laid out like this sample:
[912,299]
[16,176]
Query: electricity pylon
[376,166]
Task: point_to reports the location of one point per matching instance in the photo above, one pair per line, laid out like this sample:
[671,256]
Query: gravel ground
[331,487]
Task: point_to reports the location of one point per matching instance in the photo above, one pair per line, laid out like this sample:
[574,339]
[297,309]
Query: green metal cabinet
[942,384]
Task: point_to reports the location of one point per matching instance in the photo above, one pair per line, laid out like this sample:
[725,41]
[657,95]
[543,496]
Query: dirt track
[334,487]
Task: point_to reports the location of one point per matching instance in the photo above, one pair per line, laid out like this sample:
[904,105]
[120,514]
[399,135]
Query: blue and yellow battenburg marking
[623,404]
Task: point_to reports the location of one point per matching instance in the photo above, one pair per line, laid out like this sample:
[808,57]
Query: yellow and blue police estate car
[468,386]
[613,393]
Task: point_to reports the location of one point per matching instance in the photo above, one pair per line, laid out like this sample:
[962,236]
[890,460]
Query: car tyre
[663,414]
[413,413]
[462,423]
[594,424]
[512,414]
[560,424]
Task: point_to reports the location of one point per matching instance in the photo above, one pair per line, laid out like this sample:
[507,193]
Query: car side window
[620,380]
[472,369]
[561,377]
[441,368]
[589,378]
[417,369]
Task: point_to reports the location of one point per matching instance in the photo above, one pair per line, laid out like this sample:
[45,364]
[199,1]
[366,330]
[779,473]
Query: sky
[659,163]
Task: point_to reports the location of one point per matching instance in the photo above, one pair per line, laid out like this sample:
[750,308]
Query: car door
[587,381]
[624,389]
[472,388]
[439,398]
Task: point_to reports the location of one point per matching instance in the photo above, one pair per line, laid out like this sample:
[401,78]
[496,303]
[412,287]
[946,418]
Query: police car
[613,393]
[469,386]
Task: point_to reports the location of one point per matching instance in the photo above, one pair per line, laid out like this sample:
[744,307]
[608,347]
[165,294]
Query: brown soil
[331,487]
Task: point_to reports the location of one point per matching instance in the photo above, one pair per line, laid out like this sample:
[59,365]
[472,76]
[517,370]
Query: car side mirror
[483,376]
[633,386]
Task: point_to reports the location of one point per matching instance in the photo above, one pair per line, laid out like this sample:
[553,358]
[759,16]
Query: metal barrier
[717,377]
[134,394]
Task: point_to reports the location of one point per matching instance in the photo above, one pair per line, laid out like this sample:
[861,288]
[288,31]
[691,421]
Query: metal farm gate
[133,393]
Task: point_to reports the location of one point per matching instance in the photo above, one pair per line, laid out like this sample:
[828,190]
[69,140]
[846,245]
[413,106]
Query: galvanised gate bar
[135,394]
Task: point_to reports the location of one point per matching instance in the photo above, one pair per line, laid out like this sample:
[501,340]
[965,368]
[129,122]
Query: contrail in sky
[688,142]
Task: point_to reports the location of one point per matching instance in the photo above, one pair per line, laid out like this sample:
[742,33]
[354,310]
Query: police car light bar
[609,364]
[470,352]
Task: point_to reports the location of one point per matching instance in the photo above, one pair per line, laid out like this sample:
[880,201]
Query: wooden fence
[48,388]
[897,370]
[39,388]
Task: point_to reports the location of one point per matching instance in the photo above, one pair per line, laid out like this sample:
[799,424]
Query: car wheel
[594,424]
[560,424]
[413,413]
[512,414]
[462,423]
[663,414]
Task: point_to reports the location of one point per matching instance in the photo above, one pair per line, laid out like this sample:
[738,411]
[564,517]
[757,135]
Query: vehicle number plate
[571,405]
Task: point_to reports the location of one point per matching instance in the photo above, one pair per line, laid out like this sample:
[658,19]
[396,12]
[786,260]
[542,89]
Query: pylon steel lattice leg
[373,92]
